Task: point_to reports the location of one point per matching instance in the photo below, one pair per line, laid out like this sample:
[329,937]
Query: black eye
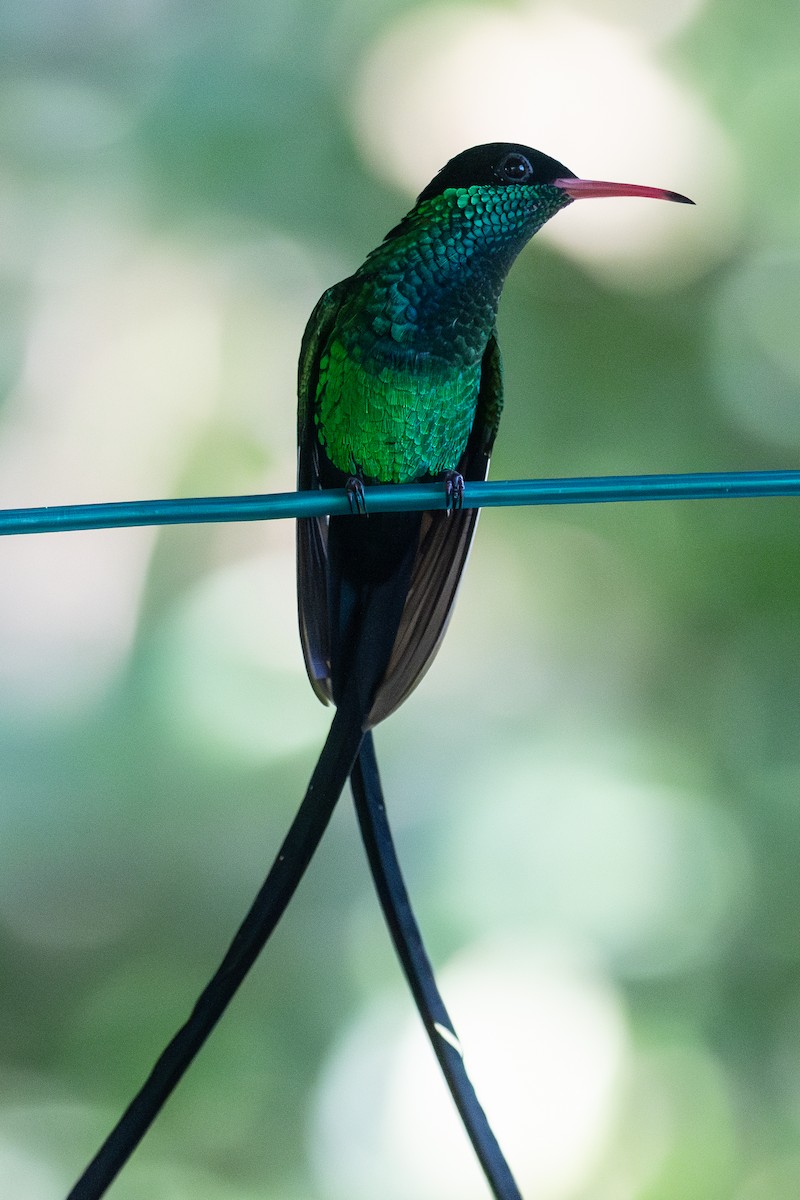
[514,168]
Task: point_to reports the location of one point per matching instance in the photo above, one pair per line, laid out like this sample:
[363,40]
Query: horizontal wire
[406,497]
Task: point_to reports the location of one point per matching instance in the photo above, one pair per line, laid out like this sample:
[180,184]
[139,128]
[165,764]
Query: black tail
[407,939]
[367,601]
[330,775]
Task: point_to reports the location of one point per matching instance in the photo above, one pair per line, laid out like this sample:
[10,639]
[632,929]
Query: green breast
[393,421]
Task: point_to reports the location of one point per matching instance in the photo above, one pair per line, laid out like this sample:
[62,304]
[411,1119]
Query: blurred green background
[595,789]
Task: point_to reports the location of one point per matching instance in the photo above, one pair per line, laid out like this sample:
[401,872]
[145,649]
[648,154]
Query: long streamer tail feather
[329,777]
[366,615]
[390,886]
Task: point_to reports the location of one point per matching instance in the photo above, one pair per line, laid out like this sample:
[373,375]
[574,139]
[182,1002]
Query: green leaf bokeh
[595,789]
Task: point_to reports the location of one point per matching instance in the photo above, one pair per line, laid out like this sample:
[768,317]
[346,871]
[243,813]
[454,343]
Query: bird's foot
[354,489]
[453,491]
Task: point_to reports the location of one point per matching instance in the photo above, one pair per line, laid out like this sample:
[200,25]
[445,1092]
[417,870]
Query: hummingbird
[400,380]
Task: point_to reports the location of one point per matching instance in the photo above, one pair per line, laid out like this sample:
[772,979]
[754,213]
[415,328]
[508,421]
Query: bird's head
[503,165]
[499,194]
[476,215]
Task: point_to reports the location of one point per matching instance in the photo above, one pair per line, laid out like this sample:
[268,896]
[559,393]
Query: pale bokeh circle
[546,1046]
[591,94]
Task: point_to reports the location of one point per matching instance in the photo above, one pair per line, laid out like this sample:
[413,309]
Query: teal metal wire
[400,498]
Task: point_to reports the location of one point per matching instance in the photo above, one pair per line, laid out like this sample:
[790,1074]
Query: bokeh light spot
[25,1176]
[546,1047]
[589,93]
[227,668]
[651,878]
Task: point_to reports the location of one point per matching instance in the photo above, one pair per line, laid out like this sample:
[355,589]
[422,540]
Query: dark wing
[444,545]
[312,532]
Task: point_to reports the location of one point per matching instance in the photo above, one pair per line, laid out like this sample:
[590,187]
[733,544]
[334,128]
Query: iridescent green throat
[400,374]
